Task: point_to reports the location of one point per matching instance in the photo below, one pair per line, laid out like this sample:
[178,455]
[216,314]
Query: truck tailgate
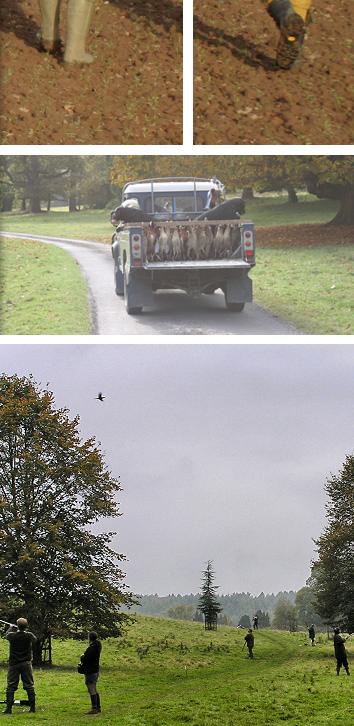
[197,265]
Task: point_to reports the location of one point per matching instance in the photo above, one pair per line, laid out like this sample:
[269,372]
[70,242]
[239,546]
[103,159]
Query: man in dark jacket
[90,661]
[340,652]
[249,639]
[312,634]
[20,663]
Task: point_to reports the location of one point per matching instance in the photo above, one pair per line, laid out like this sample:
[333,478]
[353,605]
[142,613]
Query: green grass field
[169,673]
[95,224]
[42,291]
[87,224]
[310,287]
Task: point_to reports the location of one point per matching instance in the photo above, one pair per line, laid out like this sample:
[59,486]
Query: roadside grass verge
[41,290]
[310,287]
[168,673]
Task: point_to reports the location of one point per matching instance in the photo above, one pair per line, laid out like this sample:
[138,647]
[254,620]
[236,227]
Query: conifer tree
[208,603]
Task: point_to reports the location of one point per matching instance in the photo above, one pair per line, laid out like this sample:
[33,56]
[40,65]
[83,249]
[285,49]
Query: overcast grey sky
[223,451]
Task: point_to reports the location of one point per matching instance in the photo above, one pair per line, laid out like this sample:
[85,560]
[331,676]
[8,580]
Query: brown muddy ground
[132,94]
[242,98]
[305,235]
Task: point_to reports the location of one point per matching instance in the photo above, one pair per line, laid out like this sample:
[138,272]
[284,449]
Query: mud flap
[238,289]
[139,291]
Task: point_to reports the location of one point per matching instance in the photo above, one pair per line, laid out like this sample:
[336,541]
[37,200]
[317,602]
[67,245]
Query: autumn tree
[208,603]
[333,571]
[53,487]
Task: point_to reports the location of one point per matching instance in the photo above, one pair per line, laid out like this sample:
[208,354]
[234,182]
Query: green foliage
[53,486]
[208,603]
[182,612]
[333,571]
[284,617]
[305,605]
[165,673]
[245,621]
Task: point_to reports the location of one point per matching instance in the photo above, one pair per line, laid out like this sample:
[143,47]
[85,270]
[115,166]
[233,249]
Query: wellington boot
[50,35]
[78,21]
[291,17]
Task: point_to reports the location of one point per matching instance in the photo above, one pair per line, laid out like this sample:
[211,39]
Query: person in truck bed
[292,18]
[78,20]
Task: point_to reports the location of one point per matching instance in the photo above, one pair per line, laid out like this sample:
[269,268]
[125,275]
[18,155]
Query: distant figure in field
[292,18]
[340,651]
[312,634]
[249,640]
[20,663]
[90,662]
[255,622]
[78,20]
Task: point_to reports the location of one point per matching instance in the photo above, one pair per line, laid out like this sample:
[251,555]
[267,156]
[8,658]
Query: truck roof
[172,184]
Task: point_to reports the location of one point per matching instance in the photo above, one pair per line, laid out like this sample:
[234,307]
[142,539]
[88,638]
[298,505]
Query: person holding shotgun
[90,667]
[20,663]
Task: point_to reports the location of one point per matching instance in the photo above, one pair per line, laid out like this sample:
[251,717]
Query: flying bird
[100,397]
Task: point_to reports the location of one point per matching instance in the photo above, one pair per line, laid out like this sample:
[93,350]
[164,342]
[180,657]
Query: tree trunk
[247,194]
[34,185]
[292,196]
[345,214]
[23,204]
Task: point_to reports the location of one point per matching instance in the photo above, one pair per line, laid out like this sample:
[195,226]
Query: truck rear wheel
[118,279]
[129,308]
[234,307]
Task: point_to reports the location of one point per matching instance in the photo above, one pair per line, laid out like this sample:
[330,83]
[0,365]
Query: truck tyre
[118,278]
[234,307]
[130,310]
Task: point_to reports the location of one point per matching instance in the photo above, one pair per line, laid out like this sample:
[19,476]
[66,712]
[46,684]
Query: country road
[176,314]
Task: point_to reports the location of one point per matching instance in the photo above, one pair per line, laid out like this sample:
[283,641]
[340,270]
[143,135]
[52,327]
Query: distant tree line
[35,183]
[32,182]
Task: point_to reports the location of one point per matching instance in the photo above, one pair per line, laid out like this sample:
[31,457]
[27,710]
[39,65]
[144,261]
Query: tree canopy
[333,571]
[54,569]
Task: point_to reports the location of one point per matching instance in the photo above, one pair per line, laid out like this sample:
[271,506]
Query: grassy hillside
[42,291]
[169,673]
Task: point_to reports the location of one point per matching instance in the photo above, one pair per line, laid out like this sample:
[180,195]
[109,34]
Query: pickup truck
[168,237]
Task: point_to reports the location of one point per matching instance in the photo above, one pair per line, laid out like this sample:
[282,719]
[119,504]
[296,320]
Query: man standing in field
[292,18]
[312,634]
[340,652]
[249,640]
[20,663]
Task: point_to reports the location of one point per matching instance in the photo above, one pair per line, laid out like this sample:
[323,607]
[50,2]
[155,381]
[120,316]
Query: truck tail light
[136,248]
[248,239]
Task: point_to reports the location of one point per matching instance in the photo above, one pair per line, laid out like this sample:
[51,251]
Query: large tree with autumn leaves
[53,487]
[327,177]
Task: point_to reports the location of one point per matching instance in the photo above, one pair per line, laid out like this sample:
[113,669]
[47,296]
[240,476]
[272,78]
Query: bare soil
[241,97]
[305,235]
[131,94]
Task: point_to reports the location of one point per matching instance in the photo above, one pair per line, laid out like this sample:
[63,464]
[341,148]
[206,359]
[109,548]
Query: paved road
[176,314]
